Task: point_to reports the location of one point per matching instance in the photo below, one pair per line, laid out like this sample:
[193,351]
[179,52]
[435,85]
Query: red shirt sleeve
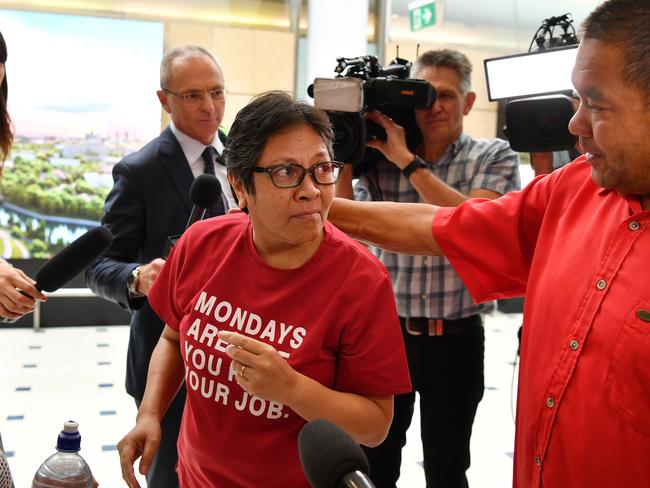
[490,243]
[372,359]
[164,295]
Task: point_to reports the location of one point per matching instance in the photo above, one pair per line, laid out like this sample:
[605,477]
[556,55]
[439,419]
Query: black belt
[439,327]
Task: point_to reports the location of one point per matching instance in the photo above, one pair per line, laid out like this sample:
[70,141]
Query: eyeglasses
[290,175]
[197,97]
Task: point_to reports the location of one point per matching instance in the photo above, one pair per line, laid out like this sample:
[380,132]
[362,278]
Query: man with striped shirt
[442,325]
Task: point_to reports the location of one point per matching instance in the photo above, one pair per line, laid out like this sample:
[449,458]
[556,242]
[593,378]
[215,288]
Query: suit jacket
[150,201]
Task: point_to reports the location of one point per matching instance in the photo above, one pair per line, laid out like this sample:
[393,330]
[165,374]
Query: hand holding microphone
[147,275]
[18,294]
[56,272]
[204,192]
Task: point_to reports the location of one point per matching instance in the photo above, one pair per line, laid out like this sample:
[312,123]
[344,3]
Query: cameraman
[442,326]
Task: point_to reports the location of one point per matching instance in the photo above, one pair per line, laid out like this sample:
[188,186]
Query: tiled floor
[59,374]
[494,430]
[78,373]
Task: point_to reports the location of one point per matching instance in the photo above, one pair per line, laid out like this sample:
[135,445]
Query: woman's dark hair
[6,135]
[265,115]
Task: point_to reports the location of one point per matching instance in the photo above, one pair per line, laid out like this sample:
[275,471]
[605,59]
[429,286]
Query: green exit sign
[422,14]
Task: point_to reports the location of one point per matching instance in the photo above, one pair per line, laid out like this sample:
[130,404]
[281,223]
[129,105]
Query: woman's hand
[261,371]
[142,441]
[18,294]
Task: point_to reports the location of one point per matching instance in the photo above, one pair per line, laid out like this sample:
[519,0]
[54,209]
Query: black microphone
[330,458]
[70,261]
[204,193]
[73,259]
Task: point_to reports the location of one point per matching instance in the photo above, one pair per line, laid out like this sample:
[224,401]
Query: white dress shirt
[193,150]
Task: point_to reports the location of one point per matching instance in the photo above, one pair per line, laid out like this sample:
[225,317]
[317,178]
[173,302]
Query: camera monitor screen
[530,74]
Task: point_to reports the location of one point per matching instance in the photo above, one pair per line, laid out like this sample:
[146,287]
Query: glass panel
[75,115]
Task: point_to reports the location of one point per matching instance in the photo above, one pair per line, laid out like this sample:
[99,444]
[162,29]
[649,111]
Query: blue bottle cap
[69,438]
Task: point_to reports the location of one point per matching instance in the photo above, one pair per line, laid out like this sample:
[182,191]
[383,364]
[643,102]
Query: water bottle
[65,468]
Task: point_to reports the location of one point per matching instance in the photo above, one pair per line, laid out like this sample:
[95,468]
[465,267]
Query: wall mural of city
[82,94]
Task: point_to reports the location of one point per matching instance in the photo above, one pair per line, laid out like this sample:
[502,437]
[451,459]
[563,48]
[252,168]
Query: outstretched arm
[397,227]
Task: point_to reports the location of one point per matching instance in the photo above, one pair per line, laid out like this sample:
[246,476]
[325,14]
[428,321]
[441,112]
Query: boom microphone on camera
[330,458]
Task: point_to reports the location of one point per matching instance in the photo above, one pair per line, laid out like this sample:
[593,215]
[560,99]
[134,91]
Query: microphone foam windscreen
[73,258]
[327,454]
[204,191]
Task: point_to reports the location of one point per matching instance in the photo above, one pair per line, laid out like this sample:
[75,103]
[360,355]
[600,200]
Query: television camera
[361,85]
[537,88]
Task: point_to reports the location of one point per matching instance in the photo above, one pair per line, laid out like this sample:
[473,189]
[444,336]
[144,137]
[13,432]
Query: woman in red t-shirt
[273,316]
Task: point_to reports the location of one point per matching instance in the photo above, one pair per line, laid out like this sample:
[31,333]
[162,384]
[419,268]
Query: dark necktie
[209,156]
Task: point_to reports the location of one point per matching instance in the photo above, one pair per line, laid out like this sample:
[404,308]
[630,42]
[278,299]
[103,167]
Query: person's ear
[470,98]
[164,100]
[240,191]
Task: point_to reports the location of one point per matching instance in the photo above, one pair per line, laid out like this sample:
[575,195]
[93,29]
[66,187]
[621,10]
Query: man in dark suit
[149,202]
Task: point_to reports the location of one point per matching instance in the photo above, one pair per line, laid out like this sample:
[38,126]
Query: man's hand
[542,162]
[261,371]
[18,294]
[148,274]
[394,147]
[142,441]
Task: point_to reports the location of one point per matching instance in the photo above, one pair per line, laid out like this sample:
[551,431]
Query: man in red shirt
[577,244]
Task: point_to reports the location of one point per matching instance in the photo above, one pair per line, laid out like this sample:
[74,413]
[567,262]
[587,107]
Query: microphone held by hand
[330,458]
[204,192]
[73,259]
[70,261]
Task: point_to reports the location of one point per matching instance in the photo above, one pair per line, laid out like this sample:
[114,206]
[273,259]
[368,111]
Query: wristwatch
[132,282]
[412,166]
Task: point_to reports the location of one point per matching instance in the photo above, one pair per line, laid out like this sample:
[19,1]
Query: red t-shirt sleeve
[490,243]
[371,359]
[164,294]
